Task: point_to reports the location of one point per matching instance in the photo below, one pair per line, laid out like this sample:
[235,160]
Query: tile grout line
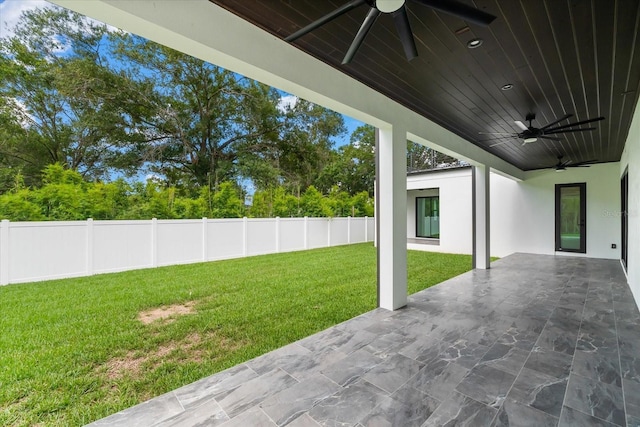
[527,359]
[573,357]
[520,371]
[615,324]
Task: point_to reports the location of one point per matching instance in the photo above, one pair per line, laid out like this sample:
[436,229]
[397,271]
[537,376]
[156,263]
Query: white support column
[481,219]
[391,217]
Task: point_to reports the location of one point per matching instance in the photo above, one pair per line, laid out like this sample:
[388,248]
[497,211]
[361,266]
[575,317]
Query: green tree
[19,206]
[420,157]
[306,144]
[285,204]
[353,167]
[104,201]
[313,204]
[227,202]
[62,196]
[362,204]
[61,103]
[207,119]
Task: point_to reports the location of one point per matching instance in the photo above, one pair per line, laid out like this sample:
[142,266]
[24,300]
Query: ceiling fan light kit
[388,6]
[398,11]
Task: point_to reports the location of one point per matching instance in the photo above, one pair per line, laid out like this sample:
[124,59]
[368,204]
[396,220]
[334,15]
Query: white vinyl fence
[33,251]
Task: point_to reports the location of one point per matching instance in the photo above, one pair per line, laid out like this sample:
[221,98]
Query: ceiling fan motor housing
[389,6]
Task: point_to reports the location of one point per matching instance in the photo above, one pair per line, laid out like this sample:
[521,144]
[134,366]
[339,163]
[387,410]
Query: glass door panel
[624,189]
[571,217]
[428,217]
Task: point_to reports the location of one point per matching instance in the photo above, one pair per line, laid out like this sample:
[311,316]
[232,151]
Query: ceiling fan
[398,10]
[531,134]
[562,166]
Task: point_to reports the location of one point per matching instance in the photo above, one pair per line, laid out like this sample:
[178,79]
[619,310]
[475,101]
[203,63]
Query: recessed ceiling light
[474,43]
[508,86]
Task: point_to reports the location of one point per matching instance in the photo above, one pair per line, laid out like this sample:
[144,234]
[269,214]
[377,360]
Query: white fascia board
[209,32]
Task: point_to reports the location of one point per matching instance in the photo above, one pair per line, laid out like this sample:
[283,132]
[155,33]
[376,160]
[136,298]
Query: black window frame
[583,215]
[416,216]
[624,214]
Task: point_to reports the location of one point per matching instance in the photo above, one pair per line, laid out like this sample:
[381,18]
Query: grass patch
[76,350]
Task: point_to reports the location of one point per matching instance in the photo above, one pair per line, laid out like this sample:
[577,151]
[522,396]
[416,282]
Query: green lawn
[73,351]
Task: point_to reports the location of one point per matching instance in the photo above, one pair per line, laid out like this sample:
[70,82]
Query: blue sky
[10,11]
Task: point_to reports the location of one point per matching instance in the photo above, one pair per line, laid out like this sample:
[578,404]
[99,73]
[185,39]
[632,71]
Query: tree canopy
[93,115]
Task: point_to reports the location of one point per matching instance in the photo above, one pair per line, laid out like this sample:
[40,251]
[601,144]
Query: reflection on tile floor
[537,340]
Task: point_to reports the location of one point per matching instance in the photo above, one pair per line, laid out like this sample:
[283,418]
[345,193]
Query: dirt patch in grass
[167,313]
[133,362]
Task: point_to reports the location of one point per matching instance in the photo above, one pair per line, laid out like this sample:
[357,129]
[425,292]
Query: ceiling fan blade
[576,124]
[403,27]
[460,10]
[521,125]
[565,117]
[362,33]
[584,164]
[550,137]
[567,131]
[326,18]
[499,143]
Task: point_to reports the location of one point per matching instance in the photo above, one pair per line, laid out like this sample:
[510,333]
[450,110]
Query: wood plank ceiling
[561,56]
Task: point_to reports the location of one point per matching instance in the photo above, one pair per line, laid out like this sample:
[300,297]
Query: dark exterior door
[624,212]
[571,217]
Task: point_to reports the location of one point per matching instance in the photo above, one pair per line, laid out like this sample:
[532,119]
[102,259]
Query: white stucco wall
[522,212]
[454,187]
[631,159]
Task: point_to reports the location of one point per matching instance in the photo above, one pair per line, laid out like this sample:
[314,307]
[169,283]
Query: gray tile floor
[536,340]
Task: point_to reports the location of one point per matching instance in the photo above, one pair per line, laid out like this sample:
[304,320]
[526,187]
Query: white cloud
[10,11]
[287,102]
